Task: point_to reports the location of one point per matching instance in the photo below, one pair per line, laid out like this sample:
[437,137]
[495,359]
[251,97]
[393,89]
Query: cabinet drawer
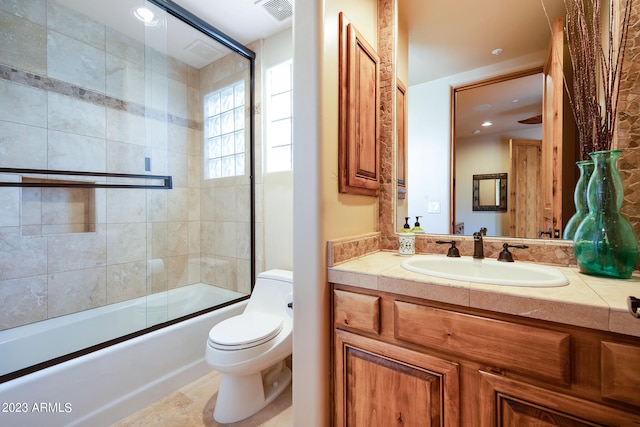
[620,372]
[538,352]
[356,311]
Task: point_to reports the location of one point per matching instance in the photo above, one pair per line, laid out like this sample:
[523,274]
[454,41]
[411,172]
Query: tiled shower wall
[77,95]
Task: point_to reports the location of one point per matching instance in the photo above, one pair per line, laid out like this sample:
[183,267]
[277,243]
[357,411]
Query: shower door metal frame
[192,20]
[199,24]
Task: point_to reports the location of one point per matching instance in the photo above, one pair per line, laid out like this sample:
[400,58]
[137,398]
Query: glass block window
[224,132]
[279,118]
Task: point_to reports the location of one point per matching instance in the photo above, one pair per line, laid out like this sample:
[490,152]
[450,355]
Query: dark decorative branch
[597,60]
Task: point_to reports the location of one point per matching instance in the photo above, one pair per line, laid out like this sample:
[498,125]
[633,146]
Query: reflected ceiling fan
[535,120]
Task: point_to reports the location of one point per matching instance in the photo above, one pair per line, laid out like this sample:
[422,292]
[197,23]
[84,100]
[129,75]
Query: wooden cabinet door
[509,403]
[379,384]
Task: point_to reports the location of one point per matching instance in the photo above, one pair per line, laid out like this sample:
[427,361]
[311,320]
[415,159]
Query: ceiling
[446,40]
[243,20]
[443,39]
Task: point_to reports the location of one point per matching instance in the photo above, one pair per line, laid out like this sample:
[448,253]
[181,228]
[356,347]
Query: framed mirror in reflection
[490,192]
[445,151]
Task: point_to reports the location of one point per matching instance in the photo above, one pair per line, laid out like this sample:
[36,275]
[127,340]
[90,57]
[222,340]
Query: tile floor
[193,405]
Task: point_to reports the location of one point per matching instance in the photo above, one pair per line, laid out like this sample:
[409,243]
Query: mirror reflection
[480,72]
[490,192]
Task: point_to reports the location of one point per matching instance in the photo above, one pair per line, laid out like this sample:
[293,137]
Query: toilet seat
[245,331]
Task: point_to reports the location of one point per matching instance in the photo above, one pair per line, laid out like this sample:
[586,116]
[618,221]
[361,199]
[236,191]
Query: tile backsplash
[546,251]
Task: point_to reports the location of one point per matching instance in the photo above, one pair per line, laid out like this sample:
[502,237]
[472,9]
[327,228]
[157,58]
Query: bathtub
[106,385]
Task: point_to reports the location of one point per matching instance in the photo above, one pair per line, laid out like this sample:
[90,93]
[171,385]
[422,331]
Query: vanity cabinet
[403,361]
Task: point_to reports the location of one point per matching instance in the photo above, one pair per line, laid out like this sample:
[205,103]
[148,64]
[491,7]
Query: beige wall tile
[22,146]
[193,213]
[34,10]
[159,240]
[125,158]
[178,163]
[23,104]
[157,206]
[157,276]
[68,151]
[75,62]
[126,205]
[178,204]
[193,270]
[126,243]
[177,238]
[77,290]
[23,301]
[76,251]
[126,281]
[179,138]
[74,116]
[75,25]
[24,44]
[10,202]
[177,271]
[22,257]
[126,127]
[125,47]
[124,79]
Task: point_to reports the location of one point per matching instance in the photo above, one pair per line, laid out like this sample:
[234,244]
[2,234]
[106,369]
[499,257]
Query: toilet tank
[272,292]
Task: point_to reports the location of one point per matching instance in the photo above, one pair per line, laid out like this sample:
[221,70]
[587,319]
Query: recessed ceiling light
[515,100]
[487,123]
[496,52]
[145,15]
[476,131]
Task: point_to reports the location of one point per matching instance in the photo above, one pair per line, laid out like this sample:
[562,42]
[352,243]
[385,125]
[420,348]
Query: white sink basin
[486,270]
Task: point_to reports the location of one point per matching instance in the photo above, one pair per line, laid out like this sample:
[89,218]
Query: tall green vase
[605,243]
[580,199]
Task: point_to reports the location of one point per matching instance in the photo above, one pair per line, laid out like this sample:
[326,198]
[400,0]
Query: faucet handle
[505,255]
[453,250]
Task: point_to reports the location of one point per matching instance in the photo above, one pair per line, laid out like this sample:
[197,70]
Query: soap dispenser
[406,240]
[416,227]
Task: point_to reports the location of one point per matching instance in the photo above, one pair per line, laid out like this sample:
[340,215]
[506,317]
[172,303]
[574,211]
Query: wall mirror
[448,130]
[490,192]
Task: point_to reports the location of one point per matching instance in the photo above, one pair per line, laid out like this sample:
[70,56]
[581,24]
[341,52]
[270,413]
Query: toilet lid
[245,330]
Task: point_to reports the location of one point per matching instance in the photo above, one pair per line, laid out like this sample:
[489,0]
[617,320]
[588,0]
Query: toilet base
[241,396]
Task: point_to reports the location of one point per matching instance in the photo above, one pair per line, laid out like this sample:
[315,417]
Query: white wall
[488,155]
[278,186]
[311,405]
[474,157]
[428,165]
[429,139]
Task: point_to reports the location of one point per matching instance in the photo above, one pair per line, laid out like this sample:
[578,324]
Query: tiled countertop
[588,301]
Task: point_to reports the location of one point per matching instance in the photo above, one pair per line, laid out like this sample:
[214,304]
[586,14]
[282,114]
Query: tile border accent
[343,250]
[556,252]
[76,92]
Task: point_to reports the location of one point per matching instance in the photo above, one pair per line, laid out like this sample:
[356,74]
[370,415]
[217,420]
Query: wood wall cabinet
[403,361]
[359,92]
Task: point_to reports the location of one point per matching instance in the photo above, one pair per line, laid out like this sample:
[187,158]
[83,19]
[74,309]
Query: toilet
[250,349]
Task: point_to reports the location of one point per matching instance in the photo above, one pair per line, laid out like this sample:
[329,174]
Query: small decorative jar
[406,243]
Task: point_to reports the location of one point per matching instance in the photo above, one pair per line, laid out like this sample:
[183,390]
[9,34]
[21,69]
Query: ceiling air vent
[279,9]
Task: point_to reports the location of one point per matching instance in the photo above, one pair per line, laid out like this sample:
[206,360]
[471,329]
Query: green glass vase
[605,243]
[580,199]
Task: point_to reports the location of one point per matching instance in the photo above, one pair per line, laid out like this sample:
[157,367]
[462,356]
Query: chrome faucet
[478,249]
